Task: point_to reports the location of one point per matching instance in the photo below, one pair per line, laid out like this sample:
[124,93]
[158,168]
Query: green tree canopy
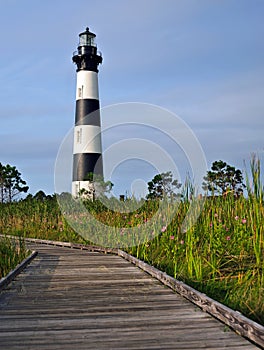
[163,185]
[223,178]
[11,183]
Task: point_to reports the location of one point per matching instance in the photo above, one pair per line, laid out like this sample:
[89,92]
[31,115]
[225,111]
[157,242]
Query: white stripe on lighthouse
[87,85]
[87,139]
[78,185]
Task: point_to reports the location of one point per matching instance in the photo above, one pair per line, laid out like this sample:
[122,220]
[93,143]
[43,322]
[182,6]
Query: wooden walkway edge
[12,274]
[142,314]
[234,319]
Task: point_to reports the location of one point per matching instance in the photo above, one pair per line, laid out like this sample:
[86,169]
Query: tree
[2,183]
[223,178]
[11,183]
[163,185]
[40,196]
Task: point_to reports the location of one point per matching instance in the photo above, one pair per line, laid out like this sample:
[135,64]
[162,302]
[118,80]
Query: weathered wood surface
[234,319]
[68,298]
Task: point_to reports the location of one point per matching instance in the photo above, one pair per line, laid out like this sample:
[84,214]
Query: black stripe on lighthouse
[87,112]
[87,149]
[84,163]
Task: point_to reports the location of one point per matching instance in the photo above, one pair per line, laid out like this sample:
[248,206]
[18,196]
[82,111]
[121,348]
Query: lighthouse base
[84,189]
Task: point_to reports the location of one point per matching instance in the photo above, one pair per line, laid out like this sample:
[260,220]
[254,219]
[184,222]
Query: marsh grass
[222,254]
[36,219]
[12,252]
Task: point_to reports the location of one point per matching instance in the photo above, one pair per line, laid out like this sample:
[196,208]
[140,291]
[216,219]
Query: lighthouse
[87,146]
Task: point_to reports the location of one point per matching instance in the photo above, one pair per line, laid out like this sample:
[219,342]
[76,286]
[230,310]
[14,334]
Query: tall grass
[12,252]
[36,219]
[222,254]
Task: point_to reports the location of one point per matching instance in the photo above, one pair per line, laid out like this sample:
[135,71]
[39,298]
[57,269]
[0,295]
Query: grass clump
[12,253]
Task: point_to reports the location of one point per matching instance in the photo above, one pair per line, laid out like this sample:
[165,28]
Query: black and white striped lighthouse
[87,149]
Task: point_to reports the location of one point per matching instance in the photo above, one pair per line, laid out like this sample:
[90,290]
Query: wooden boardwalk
[74,299]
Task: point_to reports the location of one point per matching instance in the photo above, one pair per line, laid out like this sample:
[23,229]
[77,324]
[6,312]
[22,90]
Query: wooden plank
[238,322]
[234,319]
[69,298]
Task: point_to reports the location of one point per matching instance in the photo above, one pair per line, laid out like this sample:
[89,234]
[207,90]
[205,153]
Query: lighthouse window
[86,40]
[79,136]
[80,92]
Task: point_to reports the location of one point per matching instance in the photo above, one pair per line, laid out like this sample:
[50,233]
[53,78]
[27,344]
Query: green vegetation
[222,254]
[36,218]
[11,254]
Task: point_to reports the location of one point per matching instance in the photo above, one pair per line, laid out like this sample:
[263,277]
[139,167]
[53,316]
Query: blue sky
[202,60]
